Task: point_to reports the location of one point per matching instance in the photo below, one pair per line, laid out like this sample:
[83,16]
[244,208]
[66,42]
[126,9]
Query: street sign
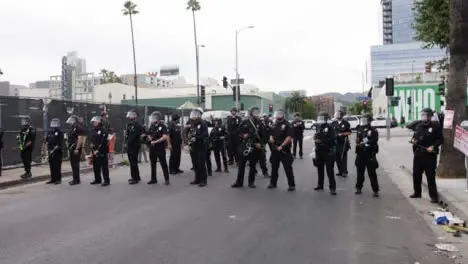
[234,81]
[363,98]
[461,140]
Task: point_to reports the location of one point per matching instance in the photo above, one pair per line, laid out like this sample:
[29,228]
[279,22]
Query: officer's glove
[221,138]
[258,145]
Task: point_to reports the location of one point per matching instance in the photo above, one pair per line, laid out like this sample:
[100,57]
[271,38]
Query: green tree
[130,9]
[309,111]
[444,23]
[194,6]
[358,108]
[295,103]
[109,77]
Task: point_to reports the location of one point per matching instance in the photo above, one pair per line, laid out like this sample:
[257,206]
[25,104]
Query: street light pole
[237,87]
[198,73]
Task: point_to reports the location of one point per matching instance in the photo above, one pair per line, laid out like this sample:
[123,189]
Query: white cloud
[317,46]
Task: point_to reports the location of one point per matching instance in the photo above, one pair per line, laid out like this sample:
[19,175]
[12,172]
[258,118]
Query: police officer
[280,140]
[106,123]
[198,140]
[157,137]
[325,143]
[76,137]
[252,136]
[54,140]
[267,125]
[133,137]
[218,141]
[188,131]
[426,141]
[299,127]
[366,151]
[175,135]
[26,139]
[232,124]
[342,130]
[99,150]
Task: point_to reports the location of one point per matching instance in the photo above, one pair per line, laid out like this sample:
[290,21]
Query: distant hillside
[347,98]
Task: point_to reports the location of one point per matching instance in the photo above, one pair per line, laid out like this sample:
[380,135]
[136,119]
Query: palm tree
[295,103]
[452,163]
[105,75]
[194,6]
[130,9]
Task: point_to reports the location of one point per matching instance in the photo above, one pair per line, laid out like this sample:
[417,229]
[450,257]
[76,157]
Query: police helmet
[104,114]
[73,119]
[55,123]
[96,120]
[233,109]
[339,114]
[156,116]
[322,117]
[365,120]
[279,114]
[254,111]
[25,121]
[427,114]
[297,114]
[131,114]
[196,113]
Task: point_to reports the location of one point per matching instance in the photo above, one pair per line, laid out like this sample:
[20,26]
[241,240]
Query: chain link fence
[41,111]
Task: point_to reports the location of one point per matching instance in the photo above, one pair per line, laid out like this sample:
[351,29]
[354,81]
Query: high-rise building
[400,53]
[78,63]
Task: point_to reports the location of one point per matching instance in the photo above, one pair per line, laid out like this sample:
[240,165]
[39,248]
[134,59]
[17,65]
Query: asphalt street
[143,224]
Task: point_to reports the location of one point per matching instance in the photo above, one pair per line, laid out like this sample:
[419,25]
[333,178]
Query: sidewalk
[11,177]
[397,153]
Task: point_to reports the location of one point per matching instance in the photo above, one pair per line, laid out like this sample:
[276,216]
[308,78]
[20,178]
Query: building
[400,52]
[40,85]
[74,61]
[323,104]
[289,93]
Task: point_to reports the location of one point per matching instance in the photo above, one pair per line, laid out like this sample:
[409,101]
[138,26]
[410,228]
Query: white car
[308,123]
[379,122]
[353,121]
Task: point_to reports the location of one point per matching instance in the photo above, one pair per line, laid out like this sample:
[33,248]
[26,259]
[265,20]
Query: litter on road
[446,247]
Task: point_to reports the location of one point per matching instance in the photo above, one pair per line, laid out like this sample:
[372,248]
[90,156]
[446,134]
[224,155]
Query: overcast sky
[318,46]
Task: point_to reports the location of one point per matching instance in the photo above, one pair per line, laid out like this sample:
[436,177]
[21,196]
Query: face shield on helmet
[96,120]
[321,119]
[195,115]
[425,116]
[72,120]
[55,123]
[155,117]
[363,121]
[279,114]
[25,121]
[131,115]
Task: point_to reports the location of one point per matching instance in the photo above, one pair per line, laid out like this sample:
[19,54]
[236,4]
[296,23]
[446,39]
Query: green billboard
[422,96]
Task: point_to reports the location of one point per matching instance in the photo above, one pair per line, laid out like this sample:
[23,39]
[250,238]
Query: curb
[443,199]
[40,178]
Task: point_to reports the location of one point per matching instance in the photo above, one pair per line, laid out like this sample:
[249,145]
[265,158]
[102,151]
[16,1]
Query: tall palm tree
[194,5]
[105,75]
[130,9]
[296,102]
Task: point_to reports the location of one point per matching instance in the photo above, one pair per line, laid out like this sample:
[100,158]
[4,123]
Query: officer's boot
[226,170]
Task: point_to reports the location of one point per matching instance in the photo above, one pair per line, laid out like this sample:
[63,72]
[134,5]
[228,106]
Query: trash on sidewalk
[445,218]
[446,247]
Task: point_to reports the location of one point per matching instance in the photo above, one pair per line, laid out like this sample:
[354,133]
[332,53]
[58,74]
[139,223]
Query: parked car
[379,122]
[352,120]
[309,123]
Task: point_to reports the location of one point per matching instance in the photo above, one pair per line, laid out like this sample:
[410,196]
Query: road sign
[234,81]
[461,140]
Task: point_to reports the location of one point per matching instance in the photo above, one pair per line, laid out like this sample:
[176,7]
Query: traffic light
[364,102]
[389,86]
[428,67]
[270,108]
[234,90]
[408,100]
[242,106]
[442,88]
[202,93]
[225,82]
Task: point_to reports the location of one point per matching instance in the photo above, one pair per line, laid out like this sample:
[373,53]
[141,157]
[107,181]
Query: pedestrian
[198,140]
[26,139]
[280,140]
[76,137]
[54,140]
[133,138]
[325,144]
[426,141]
[157,137]
[342,130]
[252,136]
[175,136]
[298,128]
[218,141]
[99,151]
[232,124]
[366,154]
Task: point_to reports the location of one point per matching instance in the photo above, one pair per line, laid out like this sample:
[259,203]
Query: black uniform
[175,133]
[198,140]
[73,135]
[100,160]
[190,131]
[298,126]
[280,132]
[366,150]
[267,125]
[218,142]
[54,140]
[209,169]
[250,149]
[342,146]
[232,125]
[158,151]
[26,134]
[133,136]
[426,134]
[325,144]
